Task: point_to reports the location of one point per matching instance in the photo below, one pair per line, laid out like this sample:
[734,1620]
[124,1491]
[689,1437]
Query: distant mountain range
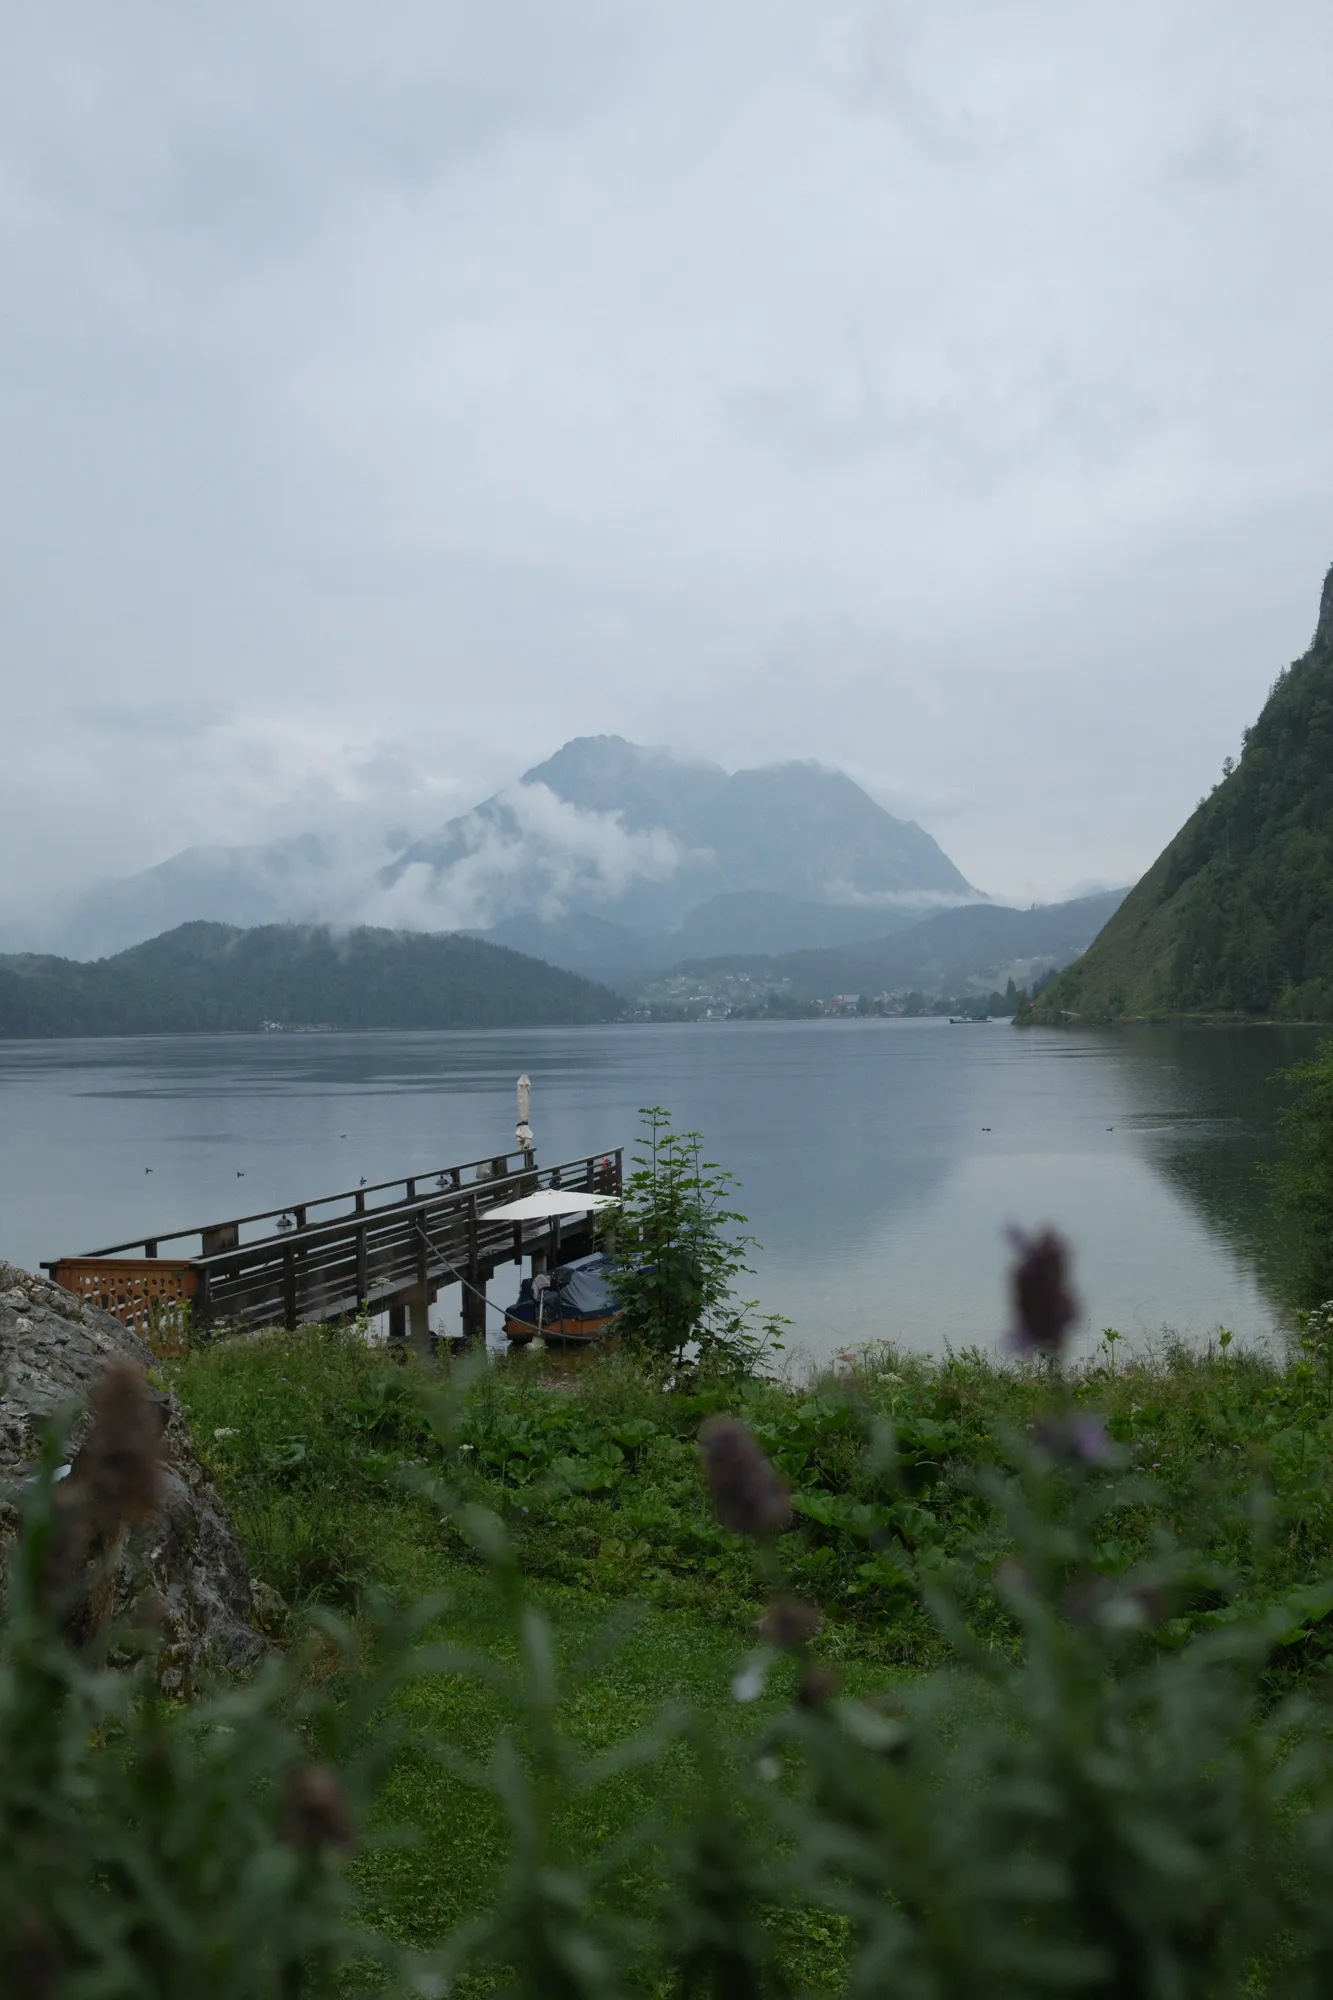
[676,856]
[748,922]
[1236,916]
[286,881]
[674,834]
[948,953]
[214,978]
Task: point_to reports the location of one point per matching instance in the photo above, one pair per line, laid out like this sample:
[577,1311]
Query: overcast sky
[389,393]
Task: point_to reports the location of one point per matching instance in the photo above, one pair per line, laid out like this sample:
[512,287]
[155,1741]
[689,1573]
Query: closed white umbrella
[523,1130]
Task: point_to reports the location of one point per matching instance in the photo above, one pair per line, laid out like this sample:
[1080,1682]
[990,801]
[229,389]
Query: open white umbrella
[548,1202]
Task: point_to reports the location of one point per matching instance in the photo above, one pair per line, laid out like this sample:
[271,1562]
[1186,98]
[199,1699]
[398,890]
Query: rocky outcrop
[52,1349]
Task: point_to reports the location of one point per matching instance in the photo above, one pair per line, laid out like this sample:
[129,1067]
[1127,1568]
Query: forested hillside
[1236,917]
[942,953]
[212,978]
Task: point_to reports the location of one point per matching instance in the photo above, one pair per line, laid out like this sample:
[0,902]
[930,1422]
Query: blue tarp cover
[583,1287]
[580,1290]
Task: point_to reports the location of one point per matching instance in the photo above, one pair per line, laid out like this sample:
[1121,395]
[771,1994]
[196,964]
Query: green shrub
[677,1257]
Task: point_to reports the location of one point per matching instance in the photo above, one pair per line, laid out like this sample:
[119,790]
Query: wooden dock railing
[432,1231]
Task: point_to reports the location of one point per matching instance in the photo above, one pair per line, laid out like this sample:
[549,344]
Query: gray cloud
[389,396]
[530,852]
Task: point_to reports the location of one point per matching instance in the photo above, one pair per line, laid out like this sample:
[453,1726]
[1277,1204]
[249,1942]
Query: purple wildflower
[115,1482]
[1013,1583]
[748,1494]
[1044,1304]
[32,1960]
[314,1809]
[818,1686]
[1080,1435]
[789,1624]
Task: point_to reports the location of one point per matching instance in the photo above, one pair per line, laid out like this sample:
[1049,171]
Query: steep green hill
[213,978]
[1236,917]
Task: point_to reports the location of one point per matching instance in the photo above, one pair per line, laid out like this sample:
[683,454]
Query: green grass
[454,1864]
[595,1471]
[308,1436]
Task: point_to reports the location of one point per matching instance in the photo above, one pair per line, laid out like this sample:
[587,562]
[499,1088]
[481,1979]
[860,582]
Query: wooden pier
[349,1253]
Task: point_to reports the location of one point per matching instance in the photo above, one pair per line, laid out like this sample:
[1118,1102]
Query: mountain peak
[647,785]
[586,756]
[644,835]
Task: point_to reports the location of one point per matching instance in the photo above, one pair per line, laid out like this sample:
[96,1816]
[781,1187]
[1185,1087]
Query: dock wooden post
[398,1322]
[474,1308]
[418,1300]
[289,1288]
[418,1312]
[474,1290]
[362,1275]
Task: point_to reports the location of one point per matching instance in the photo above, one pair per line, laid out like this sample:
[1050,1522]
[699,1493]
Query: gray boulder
[52,1348]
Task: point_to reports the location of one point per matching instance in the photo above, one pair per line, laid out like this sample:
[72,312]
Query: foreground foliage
[1110,1774]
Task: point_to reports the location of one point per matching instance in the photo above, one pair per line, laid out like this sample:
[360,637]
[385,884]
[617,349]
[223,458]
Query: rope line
[449,1265]
[466,1283]
[476,1291]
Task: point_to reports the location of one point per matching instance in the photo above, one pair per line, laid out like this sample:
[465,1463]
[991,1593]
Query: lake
[879,1160]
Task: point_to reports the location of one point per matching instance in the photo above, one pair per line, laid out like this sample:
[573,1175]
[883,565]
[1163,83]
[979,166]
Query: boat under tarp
[578,1302]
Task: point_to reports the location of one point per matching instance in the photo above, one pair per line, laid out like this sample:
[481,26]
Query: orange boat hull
[523,1330]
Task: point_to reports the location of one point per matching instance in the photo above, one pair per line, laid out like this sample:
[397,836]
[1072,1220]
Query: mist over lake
[880,1161]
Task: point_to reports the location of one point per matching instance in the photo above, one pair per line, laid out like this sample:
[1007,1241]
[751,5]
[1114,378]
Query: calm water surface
[880,1160]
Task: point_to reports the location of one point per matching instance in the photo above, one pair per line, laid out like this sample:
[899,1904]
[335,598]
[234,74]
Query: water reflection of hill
[1205,1103]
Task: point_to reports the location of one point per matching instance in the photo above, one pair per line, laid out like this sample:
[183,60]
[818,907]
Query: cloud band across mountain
[605,830]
